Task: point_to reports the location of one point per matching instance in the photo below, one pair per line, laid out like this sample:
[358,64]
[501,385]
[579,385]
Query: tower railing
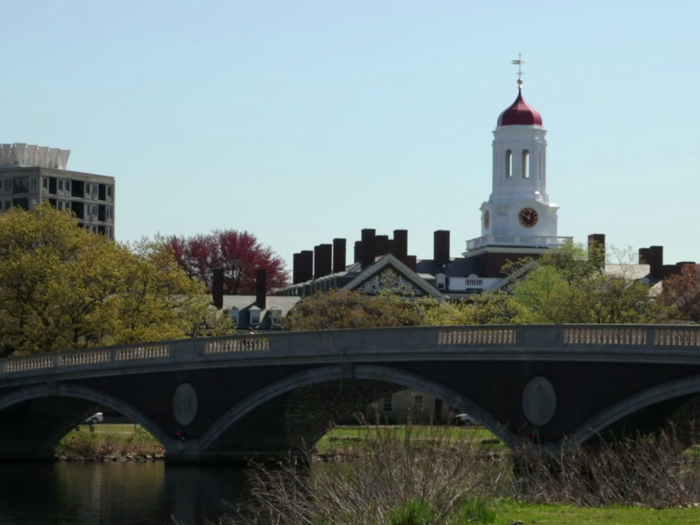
[525,241]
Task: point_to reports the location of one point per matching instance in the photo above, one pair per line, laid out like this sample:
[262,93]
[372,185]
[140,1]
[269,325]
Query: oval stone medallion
[539,401]
[185,404]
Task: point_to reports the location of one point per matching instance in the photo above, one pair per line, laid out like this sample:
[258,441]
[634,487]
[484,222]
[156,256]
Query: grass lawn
[108,440]
[347,435]
[512,512]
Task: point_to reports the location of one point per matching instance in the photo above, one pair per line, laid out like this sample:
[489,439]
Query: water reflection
[115,493]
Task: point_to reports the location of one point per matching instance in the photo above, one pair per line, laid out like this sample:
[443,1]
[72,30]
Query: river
[143,493]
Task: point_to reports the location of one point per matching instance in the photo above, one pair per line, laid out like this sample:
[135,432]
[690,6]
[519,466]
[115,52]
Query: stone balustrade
[330,344]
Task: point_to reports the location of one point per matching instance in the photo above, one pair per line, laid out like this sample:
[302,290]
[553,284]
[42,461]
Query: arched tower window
[539,165]
[526,164]
[509,164]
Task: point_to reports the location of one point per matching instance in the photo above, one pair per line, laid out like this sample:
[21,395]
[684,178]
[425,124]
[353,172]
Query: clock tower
[518,215]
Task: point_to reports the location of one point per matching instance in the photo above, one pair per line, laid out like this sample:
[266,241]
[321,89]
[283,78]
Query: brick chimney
[381,245]
[401,245]
[644,256]
[441,247]
[596,249]
[261,288]
[306,268]
[217,288]
[412,262]
[323,260]
[339,255]
[368,247]
[656,262]
[296,264]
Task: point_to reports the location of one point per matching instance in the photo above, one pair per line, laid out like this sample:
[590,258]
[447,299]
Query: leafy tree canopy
[683,292]
[63,287]
[339,309]
[239,254]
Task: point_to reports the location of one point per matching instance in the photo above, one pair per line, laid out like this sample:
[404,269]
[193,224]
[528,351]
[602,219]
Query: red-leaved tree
[683,292]
[240,254]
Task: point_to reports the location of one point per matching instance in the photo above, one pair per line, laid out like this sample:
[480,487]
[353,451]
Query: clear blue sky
[306,120]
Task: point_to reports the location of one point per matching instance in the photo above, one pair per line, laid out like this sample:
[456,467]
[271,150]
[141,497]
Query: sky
[305,120]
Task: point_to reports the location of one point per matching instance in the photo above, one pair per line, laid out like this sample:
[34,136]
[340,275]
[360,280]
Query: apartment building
[30,175]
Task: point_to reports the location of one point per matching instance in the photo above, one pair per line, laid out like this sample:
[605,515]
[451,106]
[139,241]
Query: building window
[109,213]
[440,281]
[8,184]
[94,190]
[108,232]
[60,185]
[32,183]
[8,205]
[540,166]
[254,317]
[418,402]
[526,164]
[109,191]
[45,183]
[87,190]
[509,164]
[386,404]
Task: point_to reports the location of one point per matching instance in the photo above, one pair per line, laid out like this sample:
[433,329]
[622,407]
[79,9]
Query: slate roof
[246,303]
[459,267]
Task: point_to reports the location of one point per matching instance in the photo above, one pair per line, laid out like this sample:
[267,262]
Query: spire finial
[520,73]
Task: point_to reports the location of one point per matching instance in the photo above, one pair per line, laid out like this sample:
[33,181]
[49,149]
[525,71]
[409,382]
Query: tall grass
[652,471]
[401,476]
[399,473]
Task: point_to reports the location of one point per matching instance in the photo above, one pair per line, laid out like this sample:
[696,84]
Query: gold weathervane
[520,73]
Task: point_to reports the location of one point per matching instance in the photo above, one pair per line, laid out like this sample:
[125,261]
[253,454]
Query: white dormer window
[255,316]
[233,314]
[441,281]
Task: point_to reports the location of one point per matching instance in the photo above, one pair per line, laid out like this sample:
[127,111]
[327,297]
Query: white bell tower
[518,212]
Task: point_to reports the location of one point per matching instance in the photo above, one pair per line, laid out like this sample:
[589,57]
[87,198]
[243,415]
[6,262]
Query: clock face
[528,217]
[487,219]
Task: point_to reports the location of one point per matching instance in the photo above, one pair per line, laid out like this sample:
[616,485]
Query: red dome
[520,114]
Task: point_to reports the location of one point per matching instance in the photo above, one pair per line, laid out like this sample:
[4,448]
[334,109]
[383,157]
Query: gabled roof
[273,302]
[370,278]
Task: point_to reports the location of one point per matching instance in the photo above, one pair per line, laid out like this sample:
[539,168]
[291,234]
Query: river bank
[118,443]
[129,442]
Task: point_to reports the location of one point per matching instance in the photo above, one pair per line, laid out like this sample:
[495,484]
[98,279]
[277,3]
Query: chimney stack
[339,255]
[306,268]
[596,249]
[261,288]
[381,245]
[296,264]
[323,260]
[217,288]
[441,247]
[401,245]
[358,252]
[656,261]
[412,262]
[644,256]
[368,247]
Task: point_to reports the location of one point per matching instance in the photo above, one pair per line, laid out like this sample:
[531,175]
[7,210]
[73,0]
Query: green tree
[337,309]
[63,287]
[569,285]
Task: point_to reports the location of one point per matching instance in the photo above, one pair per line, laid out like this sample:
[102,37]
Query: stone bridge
[268,394]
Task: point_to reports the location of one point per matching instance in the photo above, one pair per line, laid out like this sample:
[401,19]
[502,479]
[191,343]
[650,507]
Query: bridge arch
[362,372]
[632,404]
[88,394]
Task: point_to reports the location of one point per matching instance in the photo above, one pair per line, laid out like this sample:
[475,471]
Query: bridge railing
[338,344]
